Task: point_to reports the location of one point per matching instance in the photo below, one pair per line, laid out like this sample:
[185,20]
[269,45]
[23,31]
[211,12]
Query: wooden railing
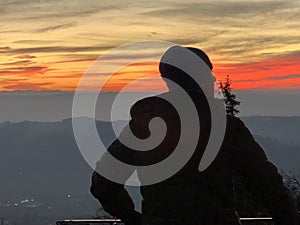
[267,220]
[88,221]
[246,221]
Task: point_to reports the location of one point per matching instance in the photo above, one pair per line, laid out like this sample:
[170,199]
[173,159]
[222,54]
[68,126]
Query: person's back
[207,197]
[191,196]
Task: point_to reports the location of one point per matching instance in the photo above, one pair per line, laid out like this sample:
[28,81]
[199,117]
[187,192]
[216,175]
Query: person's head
[170,72]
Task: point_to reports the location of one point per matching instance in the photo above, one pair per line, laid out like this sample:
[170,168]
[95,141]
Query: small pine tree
[230,99]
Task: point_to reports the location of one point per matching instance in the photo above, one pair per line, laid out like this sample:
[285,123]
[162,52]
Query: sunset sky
[48,45]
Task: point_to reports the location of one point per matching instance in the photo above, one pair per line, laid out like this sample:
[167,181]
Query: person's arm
[261,177]
[113,197]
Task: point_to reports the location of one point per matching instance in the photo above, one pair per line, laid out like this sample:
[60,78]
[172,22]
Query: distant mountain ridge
[282,129]
[56,105]
[41,159]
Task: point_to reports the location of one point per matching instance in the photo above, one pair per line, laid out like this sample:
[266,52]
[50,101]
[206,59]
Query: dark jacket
[190,196]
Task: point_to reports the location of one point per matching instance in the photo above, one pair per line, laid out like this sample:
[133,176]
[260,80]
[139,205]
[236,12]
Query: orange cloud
[277,73]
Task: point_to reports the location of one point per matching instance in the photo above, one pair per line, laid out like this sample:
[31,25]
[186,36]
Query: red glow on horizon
[277,73]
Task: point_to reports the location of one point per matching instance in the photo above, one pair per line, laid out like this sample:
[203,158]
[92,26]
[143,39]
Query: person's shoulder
[143,103]
[149,105]
[142,106]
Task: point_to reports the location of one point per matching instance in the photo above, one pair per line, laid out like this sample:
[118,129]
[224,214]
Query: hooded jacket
[190,196]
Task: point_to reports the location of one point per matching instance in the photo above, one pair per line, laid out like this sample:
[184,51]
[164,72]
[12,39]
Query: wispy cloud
[17,63]
[207,9]
[184,41]
[27,85]
[55,49]
[10,31]
[79,11]
[290,76]
[75,60]
[36,42]
[29,71]
[56,27]
[25,57]
[40,9]
[4,49]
